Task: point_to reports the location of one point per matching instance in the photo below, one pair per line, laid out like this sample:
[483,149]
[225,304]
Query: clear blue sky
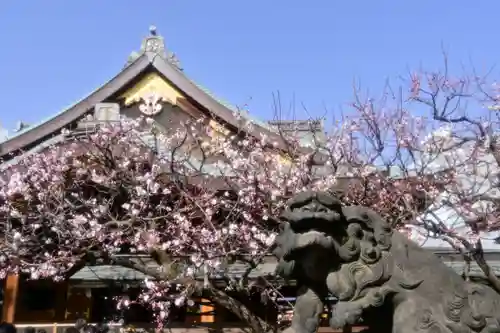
[53,52]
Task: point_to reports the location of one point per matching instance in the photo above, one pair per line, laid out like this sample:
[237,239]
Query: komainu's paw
[345,314]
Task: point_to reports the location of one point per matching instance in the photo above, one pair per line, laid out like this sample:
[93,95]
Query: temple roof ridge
[152,57]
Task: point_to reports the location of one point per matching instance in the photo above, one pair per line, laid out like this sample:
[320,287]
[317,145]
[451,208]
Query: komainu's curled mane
[351,252]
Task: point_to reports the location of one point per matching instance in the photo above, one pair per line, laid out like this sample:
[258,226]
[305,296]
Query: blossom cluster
[198,200]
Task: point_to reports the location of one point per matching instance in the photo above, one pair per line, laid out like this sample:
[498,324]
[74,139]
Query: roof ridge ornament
[152,30]
[155,44]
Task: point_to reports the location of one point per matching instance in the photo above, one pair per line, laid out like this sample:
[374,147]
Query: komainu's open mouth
[308,239]
[312,219]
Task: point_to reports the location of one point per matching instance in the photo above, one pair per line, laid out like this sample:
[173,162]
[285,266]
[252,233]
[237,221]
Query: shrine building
[151,83]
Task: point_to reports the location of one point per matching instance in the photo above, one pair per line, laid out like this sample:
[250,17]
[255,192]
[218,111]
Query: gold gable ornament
[151,92]
[151,104]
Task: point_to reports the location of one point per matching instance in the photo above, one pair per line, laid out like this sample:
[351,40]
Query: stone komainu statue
[351,253]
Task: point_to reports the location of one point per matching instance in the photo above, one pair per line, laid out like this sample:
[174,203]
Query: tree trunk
[256,324]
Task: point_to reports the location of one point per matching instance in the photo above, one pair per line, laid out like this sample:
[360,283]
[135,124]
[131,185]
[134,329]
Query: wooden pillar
[61,301]
[78,303]
[203,314]
[10,297]
[206,307]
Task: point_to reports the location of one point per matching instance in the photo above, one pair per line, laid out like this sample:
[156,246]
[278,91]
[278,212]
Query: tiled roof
[117,273]
[108,272]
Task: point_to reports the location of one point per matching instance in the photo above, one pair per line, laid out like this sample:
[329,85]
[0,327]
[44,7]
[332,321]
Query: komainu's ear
[370,222]
[284,241]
